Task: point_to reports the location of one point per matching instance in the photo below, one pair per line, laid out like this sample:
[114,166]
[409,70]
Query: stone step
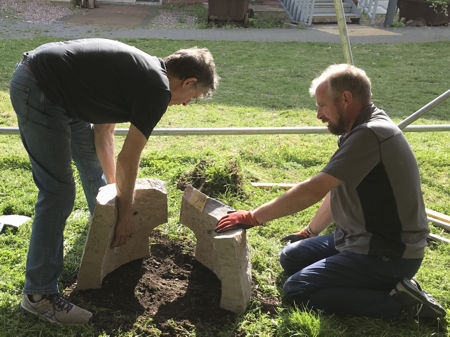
[330,5]
[333,15]
[330,9]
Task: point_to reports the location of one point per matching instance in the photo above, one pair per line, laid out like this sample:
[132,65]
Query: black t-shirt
[103,81]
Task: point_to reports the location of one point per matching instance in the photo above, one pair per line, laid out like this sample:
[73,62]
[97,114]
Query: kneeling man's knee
[291,258]
[295,289]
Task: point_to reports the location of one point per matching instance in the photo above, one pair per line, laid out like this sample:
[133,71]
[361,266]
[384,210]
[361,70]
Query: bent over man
[371,191]
[68,97]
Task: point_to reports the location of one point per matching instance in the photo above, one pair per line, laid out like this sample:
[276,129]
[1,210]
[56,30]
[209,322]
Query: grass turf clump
[214,179]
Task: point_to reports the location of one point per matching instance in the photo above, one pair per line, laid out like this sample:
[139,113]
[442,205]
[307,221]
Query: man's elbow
[104,129]
[314,194]
[319,185]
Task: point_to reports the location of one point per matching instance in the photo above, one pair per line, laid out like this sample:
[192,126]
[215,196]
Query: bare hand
[124,230]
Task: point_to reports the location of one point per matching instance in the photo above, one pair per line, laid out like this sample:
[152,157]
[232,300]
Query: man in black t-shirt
[68,97]
[371,192]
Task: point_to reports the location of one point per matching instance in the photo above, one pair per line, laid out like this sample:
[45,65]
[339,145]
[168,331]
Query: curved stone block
[227,255]
[149,211]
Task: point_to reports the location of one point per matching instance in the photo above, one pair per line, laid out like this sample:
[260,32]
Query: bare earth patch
[169,288]
[179,19]
[167,294]
[108,15]
[33,11]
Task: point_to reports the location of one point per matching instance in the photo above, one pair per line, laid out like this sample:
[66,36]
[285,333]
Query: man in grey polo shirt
[371,192]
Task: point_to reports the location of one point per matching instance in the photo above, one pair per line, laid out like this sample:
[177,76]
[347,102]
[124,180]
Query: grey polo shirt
[378,209]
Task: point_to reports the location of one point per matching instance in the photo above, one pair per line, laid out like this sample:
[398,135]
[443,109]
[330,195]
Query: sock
[35,297]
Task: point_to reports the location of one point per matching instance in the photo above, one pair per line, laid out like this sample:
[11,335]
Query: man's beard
[340,127]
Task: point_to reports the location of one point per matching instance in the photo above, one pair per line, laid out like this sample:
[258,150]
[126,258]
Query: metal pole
[343,31]
[237,131]
[390,13]
[424,109]
[423,128]
[280,130]
[249,131]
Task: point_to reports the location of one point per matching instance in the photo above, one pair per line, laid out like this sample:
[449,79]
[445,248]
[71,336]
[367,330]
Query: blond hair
[342,77]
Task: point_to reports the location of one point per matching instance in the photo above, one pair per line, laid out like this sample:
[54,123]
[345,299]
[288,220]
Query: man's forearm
[323,218]
[104,145]
[126,173]
[297,198]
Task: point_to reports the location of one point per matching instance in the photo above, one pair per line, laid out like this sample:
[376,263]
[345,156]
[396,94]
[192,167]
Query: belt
[25,62]
[27,67]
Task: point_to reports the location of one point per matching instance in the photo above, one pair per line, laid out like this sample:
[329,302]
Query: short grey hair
[194,62]
[342,77]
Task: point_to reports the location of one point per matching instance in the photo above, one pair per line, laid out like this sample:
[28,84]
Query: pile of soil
[169,286]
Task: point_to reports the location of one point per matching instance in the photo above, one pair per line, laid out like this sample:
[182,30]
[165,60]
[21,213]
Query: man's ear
[188,82]
[347,96]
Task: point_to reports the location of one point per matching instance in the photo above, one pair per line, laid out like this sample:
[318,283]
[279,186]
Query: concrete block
[149,211]
[227,255]
[233,261]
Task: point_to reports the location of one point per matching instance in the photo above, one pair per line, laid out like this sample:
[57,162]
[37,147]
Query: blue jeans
[343,282]
[52,140]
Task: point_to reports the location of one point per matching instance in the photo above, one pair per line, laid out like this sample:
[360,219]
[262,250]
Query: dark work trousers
[343,282]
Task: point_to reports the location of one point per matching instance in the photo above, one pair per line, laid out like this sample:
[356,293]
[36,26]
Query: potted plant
[427,12]
[440,6]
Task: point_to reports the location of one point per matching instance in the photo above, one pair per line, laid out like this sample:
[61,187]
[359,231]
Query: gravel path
[29,18]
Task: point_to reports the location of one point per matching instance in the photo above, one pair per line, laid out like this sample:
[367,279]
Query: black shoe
[417,301]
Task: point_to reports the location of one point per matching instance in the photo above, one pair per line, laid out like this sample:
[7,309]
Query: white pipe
[249,131]
[236,131]
[427,128]
[411,118]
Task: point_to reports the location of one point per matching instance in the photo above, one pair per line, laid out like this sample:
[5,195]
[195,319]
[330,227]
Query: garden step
[303,12]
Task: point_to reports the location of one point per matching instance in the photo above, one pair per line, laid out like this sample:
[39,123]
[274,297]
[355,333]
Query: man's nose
[319,114]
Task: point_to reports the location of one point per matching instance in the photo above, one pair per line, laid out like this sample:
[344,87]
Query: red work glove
[236,220]
[305,233]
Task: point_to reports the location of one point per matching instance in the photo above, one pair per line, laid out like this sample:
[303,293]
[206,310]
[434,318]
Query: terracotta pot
[421,10]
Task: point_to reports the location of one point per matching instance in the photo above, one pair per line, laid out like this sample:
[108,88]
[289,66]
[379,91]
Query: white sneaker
[55,308]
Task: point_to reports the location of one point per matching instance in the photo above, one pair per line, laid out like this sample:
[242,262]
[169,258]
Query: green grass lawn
[263,84]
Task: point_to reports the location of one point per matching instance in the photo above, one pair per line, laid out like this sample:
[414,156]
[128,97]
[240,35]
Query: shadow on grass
[13,162]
